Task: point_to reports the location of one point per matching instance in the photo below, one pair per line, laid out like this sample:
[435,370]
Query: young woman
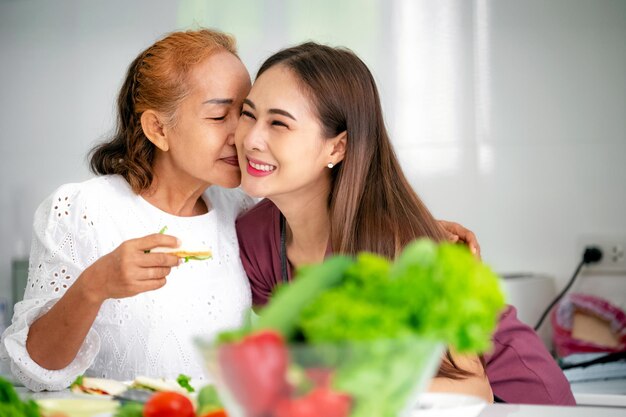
[97,301]
[312,140]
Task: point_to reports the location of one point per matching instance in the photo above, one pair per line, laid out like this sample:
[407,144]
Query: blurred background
[509,116]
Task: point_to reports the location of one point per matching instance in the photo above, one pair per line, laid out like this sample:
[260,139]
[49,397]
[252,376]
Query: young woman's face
[201,141]
[279,139]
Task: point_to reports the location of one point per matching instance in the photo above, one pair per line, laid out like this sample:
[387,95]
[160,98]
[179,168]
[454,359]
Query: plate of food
[144,396]
[109,388]
[78,407]
[98,387]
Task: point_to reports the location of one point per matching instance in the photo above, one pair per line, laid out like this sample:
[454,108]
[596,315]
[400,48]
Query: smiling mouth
[262,167]
[258,169]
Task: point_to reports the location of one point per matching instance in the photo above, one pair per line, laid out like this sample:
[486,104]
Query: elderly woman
[96,300]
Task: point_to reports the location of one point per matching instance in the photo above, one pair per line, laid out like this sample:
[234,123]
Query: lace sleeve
[63,246]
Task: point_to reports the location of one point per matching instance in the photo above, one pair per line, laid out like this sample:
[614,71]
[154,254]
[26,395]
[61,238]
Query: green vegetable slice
[130,409]
[183,381]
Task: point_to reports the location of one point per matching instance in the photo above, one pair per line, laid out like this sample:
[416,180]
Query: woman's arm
[55,338]
[477,384]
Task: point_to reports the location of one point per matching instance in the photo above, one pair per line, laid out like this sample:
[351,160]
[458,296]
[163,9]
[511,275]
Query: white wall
[509,116]
[542,160]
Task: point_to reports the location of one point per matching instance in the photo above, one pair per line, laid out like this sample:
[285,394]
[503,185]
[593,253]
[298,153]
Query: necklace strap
[283,250]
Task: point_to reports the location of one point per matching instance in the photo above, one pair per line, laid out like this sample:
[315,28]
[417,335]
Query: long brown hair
[157,80]
[372,205]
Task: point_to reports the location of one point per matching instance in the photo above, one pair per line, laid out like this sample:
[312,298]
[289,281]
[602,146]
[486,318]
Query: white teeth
[260,167]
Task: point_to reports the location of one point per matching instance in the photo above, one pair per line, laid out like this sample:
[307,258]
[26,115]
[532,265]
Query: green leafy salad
[12,406]
[439,292]
[391,320]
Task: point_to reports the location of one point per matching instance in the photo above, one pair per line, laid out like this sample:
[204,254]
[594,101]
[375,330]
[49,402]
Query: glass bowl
[379,378]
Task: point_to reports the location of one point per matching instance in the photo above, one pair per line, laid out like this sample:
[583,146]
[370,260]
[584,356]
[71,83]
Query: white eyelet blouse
[151,333]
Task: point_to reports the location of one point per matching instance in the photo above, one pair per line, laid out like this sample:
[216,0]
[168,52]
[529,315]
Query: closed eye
[279,123]
[217,119]
[248,114]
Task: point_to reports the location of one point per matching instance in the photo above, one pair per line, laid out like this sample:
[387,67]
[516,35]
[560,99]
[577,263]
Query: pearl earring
[330,165]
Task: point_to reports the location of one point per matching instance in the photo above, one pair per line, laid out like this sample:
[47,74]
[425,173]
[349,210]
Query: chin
[252,192]
[232,182]
[252,189]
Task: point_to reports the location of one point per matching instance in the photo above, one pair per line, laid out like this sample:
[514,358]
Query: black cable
[592,255]
[611,357]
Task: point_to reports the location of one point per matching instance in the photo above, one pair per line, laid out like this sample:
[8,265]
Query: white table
[610,392]
[514,410]
[492,410]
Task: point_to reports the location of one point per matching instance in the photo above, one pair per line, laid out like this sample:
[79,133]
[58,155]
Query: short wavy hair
[156,80]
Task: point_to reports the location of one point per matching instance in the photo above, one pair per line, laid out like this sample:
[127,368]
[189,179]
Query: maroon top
[520,368]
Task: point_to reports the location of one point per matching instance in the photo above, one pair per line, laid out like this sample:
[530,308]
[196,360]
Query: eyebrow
[272,111]
[221,101]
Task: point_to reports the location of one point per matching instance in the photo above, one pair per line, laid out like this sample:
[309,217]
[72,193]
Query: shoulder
[260,218]
[232,200]
[259,248]
[520,367]
[72,200]
[257,231]
[91,188]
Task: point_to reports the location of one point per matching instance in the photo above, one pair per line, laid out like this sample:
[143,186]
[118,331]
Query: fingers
[452,238]
[155,240]
[472,243]
[153,284]
[155,273]
[463,235]
[152,274]
[476,250]
[147,260]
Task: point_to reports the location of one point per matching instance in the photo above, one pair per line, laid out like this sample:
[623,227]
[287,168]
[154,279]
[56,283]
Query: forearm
[476,383]
[56,337]
[477,386]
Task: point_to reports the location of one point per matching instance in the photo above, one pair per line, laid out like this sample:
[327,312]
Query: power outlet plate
[613,253]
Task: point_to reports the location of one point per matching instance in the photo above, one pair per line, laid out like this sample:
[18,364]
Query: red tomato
[215,413]
[320,401]
[168,404]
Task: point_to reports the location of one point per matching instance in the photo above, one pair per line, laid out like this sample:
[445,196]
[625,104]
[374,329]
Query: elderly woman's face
[202,139]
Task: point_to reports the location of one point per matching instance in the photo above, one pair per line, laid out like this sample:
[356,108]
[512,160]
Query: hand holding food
[194,252]
[131,268]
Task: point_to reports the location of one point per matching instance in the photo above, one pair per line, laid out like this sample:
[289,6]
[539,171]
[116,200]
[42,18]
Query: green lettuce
[12,406]
[434,291]
[382,326]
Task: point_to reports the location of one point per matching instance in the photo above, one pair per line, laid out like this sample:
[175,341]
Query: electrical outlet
[613,253]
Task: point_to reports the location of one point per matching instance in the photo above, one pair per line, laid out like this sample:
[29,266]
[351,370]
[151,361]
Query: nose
[254,138]
[230,139]
[232,128]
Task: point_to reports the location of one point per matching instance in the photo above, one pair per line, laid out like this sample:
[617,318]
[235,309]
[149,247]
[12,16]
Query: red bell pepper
[255,370]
